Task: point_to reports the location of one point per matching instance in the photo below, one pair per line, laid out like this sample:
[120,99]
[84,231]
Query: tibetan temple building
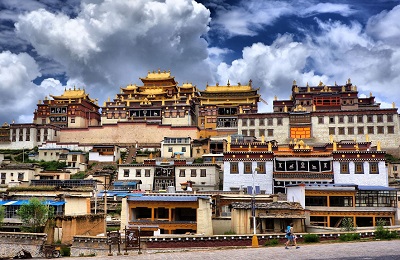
[158,101]
[73,109]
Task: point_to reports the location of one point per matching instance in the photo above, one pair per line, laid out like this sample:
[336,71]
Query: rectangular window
[390,129]
[270,121]
[252,132]
[380,129]
[138,173]
[251,122]
[234,167]
[126,173]
[270,132]
[370,129]
[360,119]
[350,130]
[193,173]
[373,168]
[359,167]
[341,131]
[261,122]
[20,176]
[360,130]
[350,119]
[389,118]
[261,132]
[341,119]
[279,121]
[344,168]
[244,132]
[170,150]
[370,118]
[331,120]
[3,175]
[203,173]
[147,173]
[261,167]
[244,122]
[320,120]
[247,168]
[379,118]
[183,149]
[331,130]
[182,173]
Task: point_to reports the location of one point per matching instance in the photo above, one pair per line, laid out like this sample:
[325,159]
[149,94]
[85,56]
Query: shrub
[347,224]
[349,237]
[65,251]
[311,238]
[384,233]
[230,232]
[271,242]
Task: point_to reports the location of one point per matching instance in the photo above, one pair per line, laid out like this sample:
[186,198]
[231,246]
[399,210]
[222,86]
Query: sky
[102,45]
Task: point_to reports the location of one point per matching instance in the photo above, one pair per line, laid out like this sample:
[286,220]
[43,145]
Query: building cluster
[184,156]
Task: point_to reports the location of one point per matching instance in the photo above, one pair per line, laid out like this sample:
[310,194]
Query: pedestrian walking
[291,237]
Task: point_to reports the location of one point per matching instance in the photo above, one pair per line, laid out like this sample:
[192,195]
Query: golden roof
[73,94]
[153,91]
[228,88]
[131,87]
[187,85]
[158,75]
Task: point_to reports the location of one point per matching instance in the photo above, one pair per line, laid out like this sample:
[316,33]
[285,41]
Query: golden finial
[269,147]
[334,146]
[314,108]
[108,99]
[228,145]
[320,83]
[213,160]
[331,138]
[240,110]
[367,138]
[250,81]
[393,105]
[285,109]
[275,98]
[228,84]
[262,139]
[294,83]
[349,81]
[378,146]
[370,94]
[249,147]
[343,88]
[356,146]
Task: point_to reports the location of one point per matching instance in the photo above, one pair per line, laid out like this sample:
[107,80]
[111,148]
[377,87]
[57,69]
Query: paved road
[382,250]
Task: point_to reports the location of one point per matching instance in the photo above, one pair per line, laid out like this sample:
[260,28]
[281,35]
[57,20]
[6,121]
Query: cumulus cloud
[331,54]
[112,43]
[385,27]
[19,94]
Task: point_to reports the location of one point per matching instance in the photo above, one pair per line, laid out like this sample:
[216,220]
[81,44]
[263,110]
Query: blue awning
[22,202]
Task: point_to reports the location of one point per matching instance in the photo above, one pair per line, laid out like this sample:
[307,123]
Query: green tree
[2,214]
[347,224]
[34,215]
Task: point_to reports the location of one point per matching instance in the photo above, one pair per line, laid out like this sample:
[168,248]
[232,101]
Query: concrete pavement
[382,250]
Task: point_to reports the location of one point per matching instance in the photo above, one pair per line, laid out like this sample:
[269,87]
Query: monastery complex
[324,148]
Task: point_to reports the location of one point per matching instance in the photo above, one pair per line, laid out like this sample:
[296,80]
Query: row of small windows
[359,118]
[261,132]
[361,130]
[3,176]
[248,168]
[262,122]
[27,135]
[171,149]
[182,173]
[359,168]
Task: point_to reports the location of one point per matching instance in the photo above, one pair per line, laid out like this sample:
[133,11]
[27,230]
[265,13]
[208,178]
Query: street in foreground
[381,250]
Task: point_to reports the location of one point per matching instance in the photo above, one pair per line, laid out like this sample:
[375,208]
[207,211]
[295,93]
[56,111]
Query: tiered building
[219,107]
[72,109]
[158,101]
[315,112]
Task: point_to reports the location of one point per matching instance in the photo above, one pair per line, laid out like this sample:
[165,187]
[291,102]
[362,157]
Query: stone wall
[11,243]
[125,133]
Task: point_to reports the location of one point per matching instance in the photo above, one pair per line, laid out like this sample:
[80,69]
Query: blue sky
[102,45]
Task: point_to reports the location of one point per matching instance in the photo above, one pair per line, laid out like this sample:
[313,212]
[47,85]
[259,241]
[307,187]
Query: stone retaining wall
[11,243]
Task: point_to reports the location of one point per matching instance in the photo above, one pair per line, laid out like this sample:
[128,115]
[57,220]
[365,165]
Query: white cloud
[112,43]
[249,18]
[335,53]
[385,26]
[19,94]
